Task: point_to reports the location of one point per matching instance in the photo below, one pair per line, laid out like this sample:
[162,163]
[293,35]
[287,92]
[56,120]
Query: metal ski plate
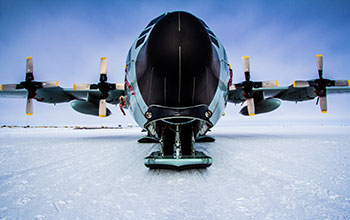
[198,160]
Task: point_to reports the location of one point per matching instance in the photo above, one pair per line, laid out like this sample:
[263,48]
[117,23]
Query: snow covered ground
[259,172]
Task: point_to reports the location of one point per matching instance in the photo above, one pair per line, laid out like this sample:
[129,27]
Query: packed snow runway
[273,172]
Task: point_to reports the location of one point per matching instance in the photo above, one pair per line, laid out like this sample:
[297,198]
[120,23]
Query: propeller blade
[103,69]
[8,87]
[341,82]
[301,84]
[236,86]
[81,87]
[29,69]
[270,84]
[103,65]
[29,106]
[49,84]
[102,108]
[119,86]
[246,67]
[323,104]
[251,106]
[29,65]
[319,61]
[233,87]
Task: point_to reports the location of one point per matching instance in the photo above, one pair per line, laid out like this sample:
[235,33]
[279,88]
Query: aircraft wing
[14,94]
[267,99]
[94,95]
[302,94]
[87,98]
[84,101]
[287,93]
[265,96]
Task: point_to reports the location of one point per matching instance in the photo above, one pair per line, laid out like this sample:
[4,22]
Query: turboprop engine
[263,106]
[97,100]
[88,108]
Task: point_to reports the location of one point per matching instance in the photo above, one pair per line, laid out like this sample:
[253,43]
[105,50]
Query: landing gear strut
[177,146]
[177,149]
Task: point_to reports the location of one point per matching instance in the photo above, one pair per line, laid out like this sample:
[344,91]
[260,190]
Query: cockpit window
[128,58]
[204,23]
[140,41]
[155,20]
[214,41]
[225,55]
[210,32]
[145,32]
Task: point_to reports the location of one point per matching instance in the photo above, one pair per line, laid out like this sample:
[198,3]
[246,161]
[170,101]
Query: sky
[67,38]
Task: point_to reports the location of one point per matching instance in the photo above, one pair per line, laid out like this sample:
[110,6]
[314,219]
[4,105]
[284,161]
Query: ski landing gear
[177,150]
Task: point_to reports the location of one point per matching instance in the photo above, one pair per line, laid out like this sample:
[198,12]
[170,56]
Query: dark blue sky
[67,38]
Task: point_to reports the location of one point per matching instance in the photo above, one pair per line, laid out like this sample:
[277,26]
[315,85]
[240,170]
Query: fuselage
[176,62]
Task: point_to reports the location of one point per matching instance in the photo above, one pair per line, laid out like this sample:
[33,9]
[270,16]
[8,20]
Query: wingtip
[29,114]
[324,111]
[245,57]
[319,55]
[29,58]
[1,89]
[348,82]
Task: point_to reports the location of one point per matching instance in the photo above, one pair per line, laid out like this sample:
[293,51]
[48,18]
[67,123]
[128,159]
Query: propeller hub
[103,78]
[31,87]
[320,86]
[104,88]
[248,89]
[29,77]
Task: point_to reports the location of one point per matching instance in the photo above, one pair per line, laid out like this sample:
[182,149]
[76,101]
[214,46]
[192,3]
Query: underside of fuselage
[178,71]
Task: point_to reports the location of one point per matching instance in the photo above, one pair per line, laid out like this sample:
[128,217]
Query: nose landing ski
[177,151]
[195,161]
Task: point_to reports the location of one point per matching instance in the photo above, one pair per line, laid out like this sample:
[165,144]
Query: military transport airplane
[177,84]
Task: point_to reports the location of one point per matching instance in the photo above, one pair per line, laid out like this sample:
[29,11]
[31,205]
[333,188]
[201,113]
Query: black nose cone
[178,65]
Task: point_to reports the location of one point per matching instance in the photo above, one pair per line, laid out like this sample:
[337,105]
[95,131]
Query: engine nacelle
[88,108]
[266,105]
